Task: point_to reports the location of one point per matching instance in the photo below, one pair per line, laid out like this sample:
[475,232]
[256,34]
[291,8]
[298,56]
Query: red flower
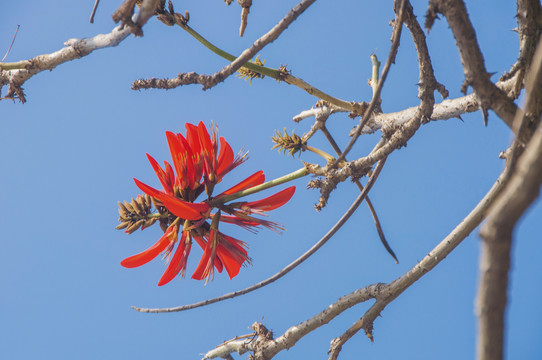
[201,161]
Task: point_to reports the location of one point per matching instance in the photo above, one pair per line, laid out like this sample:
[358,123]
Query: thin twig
[12,41]
[378,225]
[208,81]
[96,3]
[193,78]
[288,268]
[376,94]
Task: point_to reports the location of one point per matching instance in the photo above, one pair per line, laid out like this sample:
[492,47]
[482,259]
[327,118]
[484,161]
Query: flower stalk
[267,185]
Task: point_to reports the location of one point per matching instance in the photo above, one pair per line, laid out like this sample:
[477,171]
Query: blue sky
[70,153]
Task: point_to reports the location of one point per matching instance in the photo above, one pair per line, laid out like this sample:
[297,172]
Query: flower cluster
[200,161]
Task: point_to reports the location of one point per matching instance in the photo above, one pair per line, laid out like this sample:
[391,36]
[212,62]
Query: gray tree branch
[476,75]
[497,233]
[267,348]
[15,74]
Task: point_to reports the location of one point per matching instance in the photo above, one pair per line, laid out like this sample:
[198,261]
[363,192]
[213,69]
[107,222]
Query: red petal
[253,180]
[205,139]
[145,256]
[238,221]
[203,265]
[175,149]
[169,173]
[232,255]
[192,138]
[162,176]
[272,202]
[180,208]
[225,158]
[177,263]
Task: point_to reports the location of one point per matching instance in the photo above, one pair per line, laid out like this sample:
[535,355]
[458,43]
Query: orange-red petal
[147,255]
[178,207]
[232,254]
[162,175]
[272,202]
[202,270]
[225,158]
[175,149]
[253,180]
[178,261]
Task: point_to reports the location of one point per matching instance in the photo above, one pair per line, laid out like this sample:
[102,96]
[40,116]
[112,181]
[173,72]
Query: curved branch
[383,293]
[391,291]
[522,191]
[497,233]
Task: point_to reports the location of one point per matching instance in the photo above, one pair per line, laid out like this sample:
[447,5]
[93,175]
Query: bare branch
[445,110]
[392,290]
[529,17]
[16,73]
[497,240]
[396,37]
[476,75]
[384,293]
[427,82]
[378,225]
[521,192]
[208,81]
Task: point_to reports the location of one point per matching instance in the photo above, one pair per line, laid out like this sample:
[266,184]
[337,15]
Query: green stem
[272,73]
[281,180]
[322,153]
[330,159]
[275,74]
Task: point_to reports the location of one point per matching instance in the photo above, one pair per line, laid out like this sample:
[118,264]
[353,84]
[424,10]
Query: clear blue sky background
[69,154]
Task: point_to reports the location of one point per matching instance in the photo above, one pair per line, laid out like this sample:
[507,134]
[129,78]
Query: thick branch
[523,189]
[476,75]
[391,291]
[445,110]
[495,256]
[529,17]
